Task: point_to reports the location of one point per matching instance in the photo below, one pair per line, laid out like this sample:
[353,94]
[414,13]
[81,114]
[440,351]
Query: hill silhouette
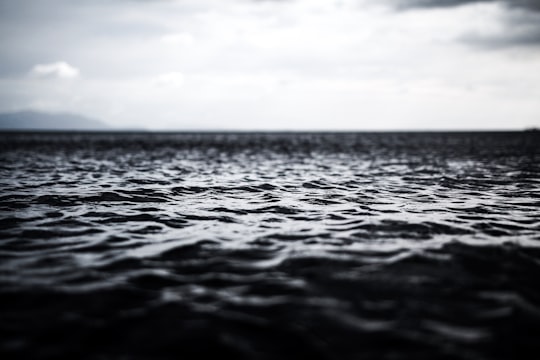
[35,120]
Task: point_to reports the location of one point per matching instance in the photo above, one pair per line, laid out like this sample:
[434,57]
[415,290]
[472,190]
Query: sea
[270,245]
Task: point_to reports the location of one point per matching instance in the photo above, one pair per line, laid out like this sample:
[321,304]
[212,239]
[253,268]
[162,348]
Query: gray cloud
[408,4]
[521,21]
[521,29]
[526,4]
[533,5]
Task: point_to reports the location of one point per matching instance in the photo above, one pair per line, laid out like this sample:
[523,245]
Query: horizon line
[254,131]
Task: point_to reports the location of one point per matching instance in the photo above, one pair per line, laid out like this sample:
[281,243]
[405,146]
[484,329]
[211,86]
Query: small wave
[264,246]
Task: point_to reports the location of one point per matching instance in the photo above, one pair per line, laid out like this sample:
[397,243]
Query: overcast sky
[275,64]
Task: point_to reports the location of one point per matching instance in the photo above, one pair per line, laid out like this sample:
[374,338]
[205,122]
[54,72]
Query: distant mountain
[34,120]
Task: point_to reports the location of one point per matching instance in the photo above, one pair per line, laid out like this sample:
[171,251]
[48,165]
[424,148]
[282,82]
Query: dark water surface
[270,246]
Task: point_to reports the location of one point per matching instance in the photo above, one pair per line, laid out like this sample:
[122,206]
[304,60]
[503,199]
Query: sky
[275,64]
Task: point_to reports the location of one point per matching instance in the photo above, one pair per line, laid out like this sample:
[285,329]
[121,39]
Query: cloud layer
[60,70]
[527,4]
[302,64]
[519,24]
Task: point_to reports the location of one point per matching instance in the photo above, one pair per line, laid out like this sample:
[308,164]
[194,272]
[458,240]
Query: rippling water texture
[270,246]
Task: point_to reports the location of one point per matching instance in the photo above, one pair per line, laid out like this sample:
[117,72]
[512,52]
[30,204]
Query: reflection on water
[266,246]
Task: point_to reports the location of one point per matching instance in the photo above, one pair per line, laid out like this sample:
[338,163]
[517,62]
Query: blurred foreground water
[270,246]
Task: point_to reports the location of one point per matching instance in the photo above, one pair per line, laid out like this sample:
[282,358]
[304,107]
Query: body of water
[270,246]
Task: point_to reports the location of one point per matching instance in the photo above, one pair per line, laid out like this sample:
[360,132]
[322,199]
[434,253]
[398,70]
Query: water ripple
[263,246]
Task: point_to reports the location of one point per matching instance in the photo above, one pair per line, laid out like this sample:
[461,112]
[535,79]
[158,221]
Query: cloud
[518,29]
[533,5]
[59,70]
[519,20]
[171,79]
[177,39]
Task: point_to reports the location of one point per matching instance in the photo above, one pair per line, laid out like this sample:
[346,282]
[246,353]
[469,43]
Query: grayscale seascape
[270,245]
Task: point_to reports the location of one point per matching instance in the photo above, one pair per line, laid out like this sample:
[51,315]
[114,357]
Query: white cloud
[182,38]
[171,79]
[60,69]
